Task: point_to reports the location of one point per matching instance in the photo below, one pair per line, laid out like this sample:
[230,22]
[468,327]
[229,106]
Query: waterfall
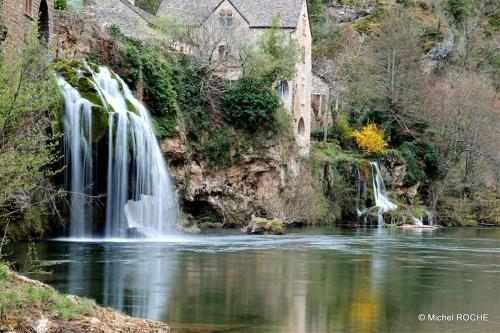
[140,195]
[382,201]
[78,158]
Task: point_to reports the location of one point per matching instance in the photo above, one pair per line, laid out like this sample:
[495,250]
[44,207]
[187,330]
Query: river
[314,280]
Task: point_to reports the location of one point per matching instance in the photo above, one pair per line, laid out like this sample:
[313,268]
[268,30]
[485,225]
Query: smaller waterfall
[382,202]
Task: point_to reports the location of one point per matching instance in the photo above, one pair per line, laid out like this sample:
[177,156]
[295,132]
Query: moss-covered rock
[100,122]
[264,226]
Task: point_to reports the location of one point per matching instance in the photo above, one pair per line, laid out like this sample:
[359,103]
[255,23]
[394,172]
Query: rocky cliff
[230,196]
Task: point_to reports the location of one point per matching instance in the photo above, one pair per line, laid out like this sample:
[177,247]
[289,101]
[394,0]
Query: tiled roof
[258,13]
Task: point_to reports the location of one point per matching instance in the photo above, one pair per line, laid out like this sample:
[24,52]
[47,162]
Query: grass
[20,298]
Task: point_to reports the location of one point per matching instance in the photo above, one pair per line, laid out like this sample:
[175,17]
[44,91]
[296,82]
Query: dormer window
[226,19]
[28,5]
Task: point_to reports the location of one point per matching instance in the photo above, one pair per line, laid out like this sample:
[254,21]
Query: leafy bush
[159,93]
[430,38]
[370,139]
[165,126]
[61,4]
[187,78]
[459,9]
[424,5]
[422,161]
[218,149]
[341,132]
[275,57]
[250,104]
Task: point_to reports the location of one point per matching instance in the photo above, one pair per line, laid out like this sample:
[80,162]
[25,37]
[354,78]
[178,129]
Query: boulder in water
[264,226]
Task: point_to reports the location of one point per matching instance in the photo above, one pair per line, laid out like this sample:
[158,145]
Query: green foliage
[459,9]
[340,133]
[275,57]
[250,104]
[165,126]
[422,161]
[158,91]
[61,4]
[188,81]
[423,5]
[33,265]
[150,6]
[21,298]
[146,68]
[218,149]
[28,95]
[430,38]
[4,272]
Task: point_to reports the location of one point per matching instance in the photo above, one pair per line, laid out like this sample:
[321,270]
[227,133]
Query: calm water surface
[310,281]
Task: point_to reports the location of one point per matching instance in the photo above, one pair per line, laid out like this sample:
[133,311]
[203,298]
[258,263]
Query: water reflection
[334,281]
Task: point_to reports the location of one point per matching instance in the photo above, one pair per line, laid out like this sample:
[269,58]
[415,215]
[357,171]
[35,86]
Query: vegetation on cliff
[28,96]
[410,68]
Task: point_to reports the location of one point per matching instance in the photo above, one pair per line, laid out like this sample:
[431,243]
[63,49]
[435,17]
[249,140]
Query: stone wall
[17,18]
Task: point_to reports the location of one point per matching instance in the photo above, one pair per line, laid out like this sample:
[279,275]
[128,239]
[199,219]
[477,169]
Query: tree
[463,109]
[28,94]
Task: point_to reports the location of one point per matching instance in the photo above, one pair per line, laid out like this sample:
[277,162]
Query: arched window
[283,89]
[226,19]
[222,52]
[301,128]
[28,7]
[43,21]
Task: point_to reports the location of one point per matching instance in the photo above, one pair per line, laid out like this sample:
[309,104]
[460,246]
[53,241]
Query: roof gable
[258,13]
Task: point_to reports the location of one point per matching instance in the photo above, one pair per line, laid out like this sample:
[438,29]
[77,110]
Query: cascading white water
[382,201]
[78,158]
[140,193]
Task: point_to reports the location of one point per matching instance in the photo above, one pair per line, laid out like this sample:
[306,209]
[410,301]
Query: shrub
[4,272]
[159,93]
[340,132]
[422,161]
[370,139]
[424,5]
[430,38]
[165,126]
[459,9]
[61,4]
[218,149]
[250,104]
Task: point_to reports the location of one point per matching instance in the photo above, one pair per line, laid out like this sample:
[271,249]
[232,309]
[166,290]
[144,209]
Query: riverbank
[31,306]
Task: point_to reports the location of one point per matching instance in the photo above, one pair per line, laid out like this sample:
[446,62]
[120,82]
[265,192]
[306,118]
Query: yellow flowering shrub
[370,139]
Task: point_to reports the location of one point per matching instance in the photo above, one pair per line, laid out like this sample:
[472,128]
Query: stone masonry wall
[18,20]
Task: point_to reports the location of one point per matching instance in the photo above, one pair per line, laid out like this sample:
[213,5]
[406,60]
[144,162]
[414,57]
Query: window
[28,5]
[226,19]
[222,52]
[303,54]
[301,128]
[283,89]
[304,25]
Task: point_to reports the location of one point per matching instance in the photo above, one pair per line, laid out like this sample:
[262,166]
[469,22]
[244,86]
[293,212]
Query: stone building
[17,15]
[225,25]
[132,21]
